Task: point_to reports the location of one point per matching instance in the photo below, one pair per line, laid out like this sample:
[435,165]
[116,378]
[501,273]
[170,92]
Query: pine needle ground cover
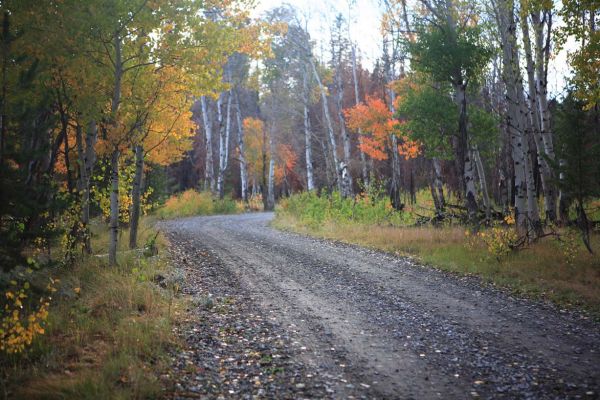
[560,271]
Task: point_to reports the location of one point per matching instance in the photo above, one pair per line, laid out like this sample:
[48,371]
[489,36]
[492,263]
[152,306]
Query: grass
[191,203]
[108,331]
[542,270]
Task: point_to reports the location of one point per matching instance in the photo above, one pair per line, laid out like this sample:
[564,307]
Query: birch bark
[510,59]
[328,125]
[363,161]
[209,176]
[310,184]
[114,196]
[241,150]
[224,149]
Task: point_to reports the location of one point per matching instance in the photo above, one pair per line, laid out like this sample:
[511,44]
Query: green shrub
[366,208]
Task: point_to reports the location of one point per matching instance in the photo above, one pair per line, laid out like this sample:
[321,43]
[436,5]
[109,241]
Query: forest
[471,142]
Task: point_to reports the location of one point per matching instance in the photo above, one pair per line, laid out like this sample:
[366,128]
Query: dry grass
[191,203]
[109,331]
[540,271]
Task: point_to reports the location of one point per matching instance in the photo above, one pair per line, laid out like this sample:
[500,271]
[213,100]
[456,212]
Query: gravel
[281,315]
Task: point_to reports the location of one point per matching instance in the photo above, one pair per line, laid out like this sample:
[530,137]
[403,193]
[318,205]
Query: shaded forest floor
[547,269]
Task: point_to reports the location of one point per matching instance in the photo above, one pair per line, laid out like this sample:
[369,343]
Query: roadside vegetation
[556,267]
[191,203]
[104,332]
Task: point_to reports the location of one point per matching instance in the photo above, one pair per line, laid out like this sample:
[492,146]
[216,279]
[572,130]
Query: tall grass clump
[192,202]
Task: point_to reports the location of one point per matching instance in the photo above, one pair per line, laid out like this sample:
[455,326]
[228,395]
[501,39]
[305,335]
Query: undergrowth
[107,331]
[192,202]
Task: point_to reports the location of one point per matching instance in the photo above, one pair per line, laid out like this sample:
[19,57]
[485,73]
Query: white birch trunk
[533,212]
[482,182]
[209,176]
[271,183]
[328,125]
[310,184]
[511,76]
[463,151]
[344,170]
[242,153]
[224,149]
[114,196]
[535,111]
[396,176]
[363,161]
[542,52]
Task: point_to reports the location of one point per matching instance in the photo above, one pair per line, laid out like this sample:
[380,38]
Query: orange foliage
[287,159]
[376,122]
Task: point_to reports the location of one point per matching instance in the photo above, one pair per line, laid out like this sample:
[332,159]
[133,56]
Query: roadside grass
[107,333]
[546,269]
[192,202]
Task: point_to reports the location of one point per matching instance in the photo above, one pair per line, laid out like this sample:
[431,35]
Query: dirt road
[371,325]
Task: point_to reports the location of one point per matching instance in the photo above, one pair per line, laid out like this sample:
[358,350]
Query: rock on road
[396,329]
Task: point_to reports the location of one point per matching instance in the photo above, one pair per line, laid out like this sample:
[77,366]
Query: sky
[365,22]
[364,17]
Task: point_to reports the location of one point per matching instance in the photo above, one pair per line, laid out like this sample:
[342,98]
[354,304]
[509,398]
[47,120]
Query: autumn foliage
[375,120]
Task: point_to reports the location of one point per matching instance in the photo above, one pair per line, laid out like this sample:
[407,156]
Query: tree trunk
[511,77]
[224,149]
[363,160]
[209,175]
[463,155]
[395,184]
[242,154]
[114,164]
[564,202]
[87,159]
[6,42]
[584,225]
[328,125]
[535,111]
[270,205]
[114,208]
[482,183]
[345,172]
[136,194]
[533,212]
[310,184]
[263,186]
[90,163]
[438,183]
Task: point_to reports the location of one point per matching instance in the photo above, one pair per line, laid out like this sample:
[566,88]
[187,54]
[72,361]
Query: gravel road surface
[330,320]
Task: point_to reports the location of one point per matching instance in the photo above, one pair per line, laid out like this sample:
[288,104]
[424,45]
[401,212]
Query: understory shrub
[314,210]
[191,202]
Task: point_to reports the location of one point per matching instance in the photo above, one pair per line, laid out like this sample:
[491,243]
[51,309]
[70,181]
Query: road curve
[399,329]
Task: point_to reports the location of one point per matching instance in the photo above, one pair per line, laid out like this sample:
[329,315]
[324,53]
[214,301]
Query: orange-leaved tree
[286,159]
[375,120]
